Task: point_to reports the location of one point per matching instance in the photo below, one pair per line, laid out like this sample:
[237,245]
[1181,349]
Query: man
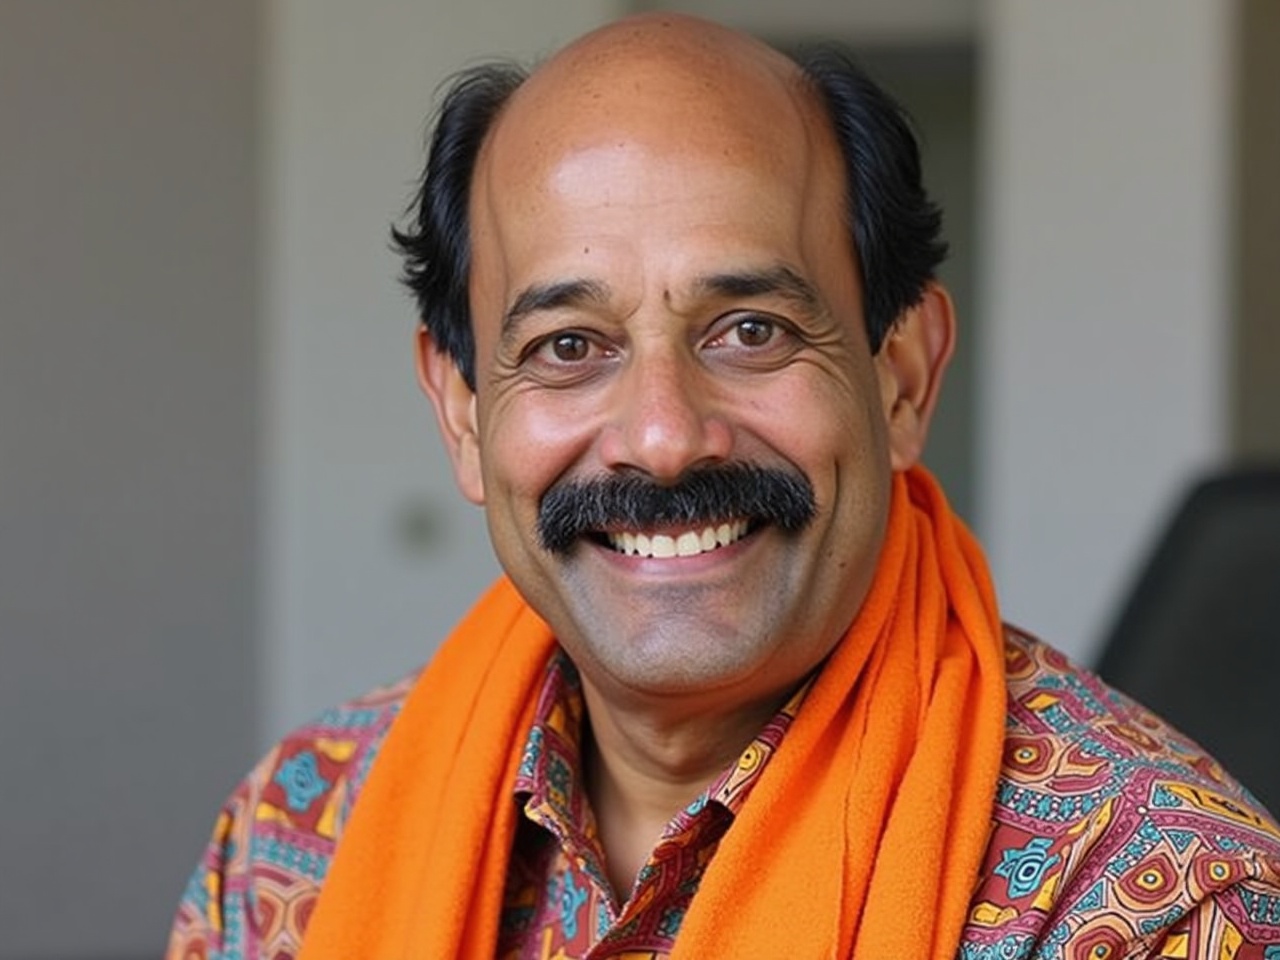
[746,692]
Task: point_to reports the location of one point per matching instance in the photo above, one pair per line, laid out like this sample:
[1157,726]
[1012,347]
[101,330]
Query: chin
[679,657]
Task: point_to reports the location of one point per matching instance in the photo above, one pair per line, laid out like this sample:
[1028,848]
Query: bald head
[663,65]
[666,38]
[678,35]
[674,87]
[675,91]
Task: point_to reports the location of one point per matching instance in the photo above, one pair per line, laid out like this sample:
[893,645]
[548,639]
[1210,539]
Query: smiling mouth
[686,543]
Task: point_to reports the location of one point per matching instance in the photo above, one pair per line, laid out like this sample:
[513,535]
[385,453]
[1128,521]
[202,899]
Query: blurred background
[222,500]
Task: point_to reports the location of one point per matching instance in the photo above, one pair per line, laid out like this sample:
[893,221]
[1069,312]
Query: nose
[665,418]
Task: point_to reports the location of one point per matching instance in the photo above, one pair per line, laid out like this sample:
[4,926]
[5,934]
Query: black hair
[436,245]
[896,226]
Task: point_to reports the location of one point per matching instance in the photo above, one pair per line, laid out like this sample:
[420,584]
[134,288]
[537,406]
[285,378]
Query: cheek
[822,419]
[833,431]
[530,440]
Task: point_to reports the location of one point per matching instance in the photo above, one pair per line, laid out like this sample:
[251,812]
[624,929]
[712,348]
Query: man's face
[663,283]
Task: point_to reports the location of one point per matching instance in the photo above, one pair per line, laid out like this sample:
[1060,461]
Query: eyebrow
[553,296]
[779,280]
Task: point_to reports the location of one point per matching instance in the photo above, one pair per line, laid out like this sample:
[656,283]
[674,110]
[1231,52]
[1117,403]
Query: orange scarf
[862,838]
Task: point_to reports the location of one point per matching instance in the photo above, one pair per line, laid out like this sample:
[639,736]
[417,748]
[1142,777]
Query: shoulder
[309,780]
[275,835]
[1061,712]
[1111,825]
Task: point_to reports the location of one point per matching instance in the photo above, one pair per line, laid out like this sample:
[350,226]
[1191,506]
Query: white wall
[1106,177]
[350,447]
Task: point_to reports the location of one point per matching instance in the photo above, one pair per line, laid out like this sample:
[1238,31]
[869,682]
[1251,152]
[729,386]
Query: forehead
[696,135]
[688,85]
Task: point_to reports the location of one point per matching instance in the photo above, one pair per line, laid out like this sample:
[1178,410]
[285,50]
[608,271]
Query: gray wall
[128,398]
[1256,357]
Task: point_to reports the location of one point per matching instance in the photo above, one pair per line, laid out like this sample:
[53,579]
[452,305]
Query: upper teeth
[687,544]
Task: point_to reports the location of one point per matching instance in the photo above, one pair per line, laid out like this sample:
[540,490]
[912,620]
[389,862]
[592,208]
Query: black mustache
[704,497]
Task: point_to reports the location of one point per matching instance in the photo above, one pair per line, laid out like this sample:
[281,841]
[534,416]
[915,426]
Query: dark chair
[1199,639]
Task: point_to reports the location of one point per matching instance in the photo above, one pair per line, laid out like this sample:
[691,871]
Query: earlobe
[455,407]
[911,364]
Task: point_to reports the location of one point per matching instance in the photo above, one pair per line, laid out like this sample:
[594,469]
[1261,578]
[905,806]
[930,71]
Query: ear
[455,406]
[910,365]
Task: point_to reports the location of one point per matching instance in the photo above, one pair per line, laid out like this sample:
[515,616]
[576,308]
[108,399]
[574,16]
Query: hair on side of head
[436,244]
[896,226]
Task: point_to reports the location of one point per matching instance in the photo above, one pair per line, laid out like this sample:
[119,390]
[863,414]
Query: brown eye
[752,340]
[754,332]
[568,357]
[570,347]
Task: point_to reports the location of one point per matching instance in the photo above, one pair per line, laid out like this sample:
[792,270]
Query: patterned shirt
[1112,836]
[559,903]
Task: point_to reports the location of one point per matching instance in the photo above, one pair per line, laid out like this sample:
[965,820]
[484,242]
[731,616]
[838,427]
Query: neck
[643,766]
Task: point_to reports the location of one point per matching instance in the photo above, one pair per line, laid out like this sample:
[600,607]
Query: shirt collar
[550,775]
